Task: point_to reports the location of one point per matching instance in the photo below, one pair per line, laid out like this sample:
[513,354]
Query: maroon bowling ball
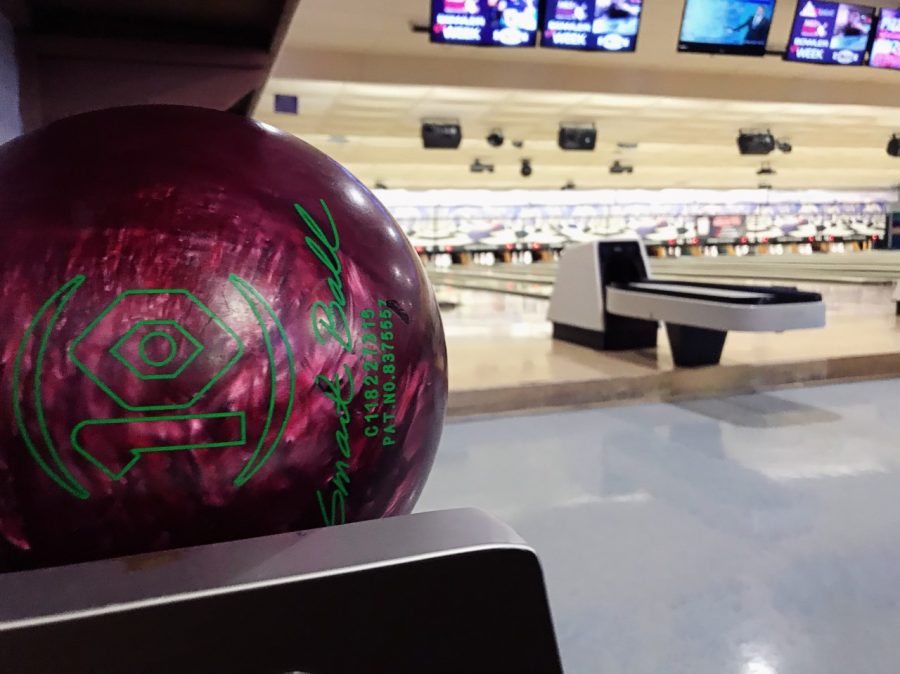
[210,331]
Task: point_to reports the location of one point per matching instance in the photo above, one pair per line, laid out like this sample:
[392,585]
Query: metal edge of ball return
[605,298]
[447,591]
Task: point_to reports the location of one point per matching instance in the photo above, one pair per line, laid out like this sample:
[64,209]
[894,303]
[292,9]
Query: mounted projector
[618,167]
[441,135]
[577,136]
[893,147]
[478,166]
[756,143]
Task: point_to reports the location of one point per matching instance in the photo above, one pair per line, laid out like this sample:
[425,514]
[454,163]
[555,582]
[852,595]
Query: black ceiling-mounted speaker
[756,143]
[577,136]
[893,147]
[441,135]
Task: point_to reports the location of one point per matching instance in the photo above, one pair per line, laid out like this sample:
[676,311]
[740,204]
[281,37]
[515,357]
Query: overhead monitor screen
[493,23]
[726,26]
[591,25]
[886,47]
[830,32]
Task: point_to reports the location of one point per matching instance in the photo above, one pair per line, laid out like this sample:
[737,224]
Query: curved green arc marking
[66,481]
[249,470]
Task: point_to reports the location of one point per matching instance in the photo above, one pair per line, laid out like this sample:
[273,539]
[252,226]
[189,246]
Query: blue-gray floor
[754,534]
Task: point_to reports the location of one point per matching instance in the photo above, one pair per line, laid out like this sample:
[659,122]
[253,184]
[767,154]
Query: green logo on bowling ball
[159,350]
[129,303]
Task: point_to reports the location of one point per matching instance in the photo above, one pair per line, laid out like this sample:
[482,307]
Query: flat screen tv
[835,33]
[738,27]
[885,52]
[486,23]
[591,25]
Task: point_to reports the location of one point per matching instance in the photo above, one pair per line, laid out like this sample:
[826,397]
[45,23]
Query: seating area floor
[754,534]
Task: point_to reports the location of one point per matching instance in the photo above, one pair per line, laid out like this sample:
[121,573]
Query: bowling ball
[210,331]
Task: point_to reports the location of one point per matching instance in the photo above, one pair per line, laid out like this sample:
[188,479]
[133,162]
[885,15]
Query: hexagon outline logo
[90,374]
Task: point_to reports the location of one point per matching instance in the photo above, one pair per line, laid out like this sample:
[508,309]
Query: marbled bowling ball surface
[210,331]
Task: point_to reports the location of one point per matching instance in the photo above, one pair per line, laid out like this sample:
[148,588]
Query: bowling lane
[504,286]
[754,534]
[871,267]
[500,343]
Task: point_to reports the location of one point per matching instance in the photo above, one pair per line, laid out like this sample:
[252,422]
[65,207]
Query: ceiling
[374,131]
[361,40]
[365,81]
[383,27]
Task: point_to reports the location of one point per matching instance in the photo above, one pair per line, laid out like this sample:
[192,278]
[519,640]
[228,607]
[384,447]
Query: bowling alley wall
[10,121]
[452,220]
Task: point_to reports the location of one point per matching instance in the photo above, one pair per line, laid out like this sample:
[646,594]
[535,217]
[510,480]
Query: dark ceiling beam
[72,67]
[15,11]
[290,7]
[134,51]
